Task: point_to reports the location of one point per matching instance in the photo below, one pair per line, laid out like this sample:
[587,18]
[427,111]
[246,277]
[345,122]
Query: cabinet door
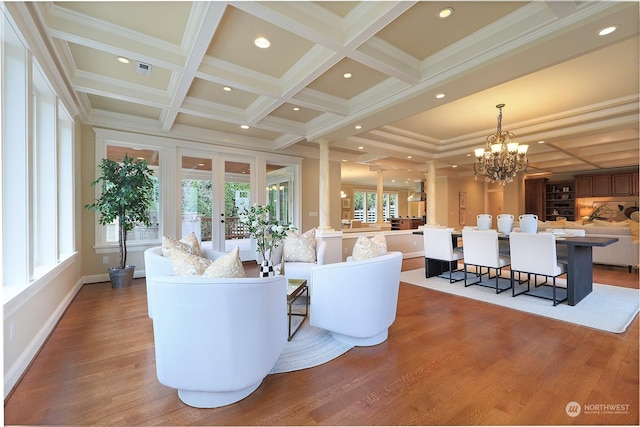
[621,184]
[583,186]
[534,197]
[601,185]
[634,183]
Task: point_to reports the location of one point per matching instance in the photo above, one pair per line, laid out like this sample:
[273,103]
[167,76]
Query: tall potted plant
[126,193]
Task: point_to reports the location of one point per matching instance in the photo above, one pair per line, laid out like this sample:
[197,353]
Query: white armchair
[155,264]
[217,339]
[356,300]
[297,269]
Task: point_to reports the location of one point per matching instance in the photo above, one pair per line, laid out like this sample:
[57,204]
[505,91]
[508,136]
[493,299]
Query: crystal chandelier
[502,158]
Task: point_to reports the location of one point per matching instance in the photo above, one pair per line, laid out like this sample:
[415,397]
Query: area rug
[608,308]
[309,347]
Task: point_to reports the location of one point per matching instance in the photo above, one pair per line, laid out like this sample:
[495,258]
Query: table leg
[579,273]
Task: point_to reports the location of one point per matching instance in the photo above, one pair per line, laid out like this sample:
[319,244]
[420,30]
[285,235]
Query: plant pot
[121,277]
[266,268]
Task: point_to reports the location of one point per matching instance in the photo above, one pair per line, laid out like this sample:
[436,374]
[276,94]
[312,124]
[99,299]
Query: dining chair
[438,245]
[536,254]
[481,249]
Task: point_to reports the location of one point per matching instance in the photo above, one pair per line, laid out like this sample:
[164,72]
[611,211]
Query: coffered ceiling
[561,82]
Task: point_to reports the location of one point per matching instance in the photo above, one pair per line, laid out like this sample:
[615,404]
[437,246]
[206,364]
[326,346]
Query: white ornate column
[431,192]
[324,201]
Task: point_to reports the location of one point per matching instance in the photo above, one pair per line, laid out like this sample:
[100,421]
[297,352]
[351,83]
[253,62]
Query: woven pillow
[366,248]
[227,266]
[188,244]
[185,264]
[300,247]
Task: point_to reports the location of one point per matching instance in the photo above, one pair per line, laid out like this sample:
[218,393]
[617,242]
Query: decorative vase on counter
[484,221]
[505,223]
[528,223]
[266,268]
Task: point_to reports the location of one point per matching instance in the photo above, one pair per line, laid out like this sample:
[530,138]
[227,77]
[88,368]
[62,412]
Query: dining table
[579,261]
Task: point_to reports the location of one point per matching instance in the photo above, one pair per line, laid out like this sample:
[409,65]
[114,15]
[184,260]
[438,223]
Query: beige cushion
[188,244]
[227,266]
[366,248]
[185,264]
[574,224]
[600,223]
[300,247]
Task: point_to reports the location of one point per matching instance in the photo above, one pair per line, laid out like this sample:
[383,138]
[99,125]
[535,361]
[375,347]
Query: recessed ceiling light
[344,160]
[468,155]
[361,148]
[244,127]
[454,166]
[123,59]
[358,127]
[607,30]
[393,180]
[440,95]
[262,42]
[540,142]
[409,157]
[296,108]
[226,89]
[446,12]
[347,75]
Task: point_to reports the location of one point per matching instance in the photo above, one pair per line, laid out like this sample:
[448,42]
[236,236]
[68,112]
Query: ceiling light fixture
[607,30]
[361,148]
[262,42]
[226,89]
[358,127]
[296,108]
[540,142]
[446,12]
[123,60]
[440,95]
[244,127]
[502,158]
[347,75]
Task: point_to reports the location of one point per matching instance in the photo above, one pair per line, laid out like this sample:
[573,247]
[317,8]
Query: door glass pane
[197,197]
[279,192]
[141,232]
[237,195]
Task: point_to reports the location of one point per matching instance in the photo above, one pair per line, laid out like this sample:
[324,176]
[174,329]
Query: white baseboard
[99,278]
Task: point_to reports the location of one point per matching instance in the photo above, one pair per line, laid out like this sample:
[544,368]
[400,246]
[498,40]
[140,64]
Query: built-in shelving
[560,200]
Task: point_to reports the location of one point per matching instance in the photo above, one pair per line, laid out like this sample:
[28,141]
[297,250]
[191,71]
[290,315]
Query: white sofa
[216,339]
[623,253]
[356,300]
[157,265]
[300,270]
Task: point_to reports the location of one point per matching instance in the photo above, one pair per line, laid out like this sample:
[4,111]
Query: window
[365,206]
[37,169]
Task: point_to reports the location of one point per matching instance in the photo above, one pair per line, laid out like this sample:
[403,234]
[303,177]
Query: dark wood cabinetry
[634,183]
[601,185]
[405,223]
[583,186]
[621,184]
[560,201]
[534,196]
[624,183]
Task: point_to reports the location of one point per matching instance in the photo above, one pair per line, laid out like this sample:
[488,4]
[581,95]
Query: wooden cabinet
[534,196]
[405,223]
[621,184]
[560,201]
[634,183]
[583,186]
[601,185]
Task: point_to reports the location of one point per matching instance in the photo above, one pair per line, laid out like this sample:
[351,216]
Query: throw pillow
[300,247]
[633,226]
[188,244]
[185,264]
[601,223]
[366,248]
[227,266]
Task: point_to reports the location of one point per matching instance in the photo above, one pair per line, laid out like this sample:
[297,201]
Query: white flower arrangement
[268,234]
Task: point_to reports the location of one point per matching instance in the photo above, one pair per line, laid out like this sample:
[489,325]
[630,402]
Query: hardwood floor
[448,361]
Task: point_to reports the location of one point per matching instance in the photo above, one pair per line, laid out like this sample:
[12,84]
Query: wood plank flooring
[448,361]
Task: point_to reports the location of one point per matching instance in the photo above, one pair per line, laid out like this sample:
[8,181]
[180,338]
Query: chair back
[438,243]
[481,248]
[534,253]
